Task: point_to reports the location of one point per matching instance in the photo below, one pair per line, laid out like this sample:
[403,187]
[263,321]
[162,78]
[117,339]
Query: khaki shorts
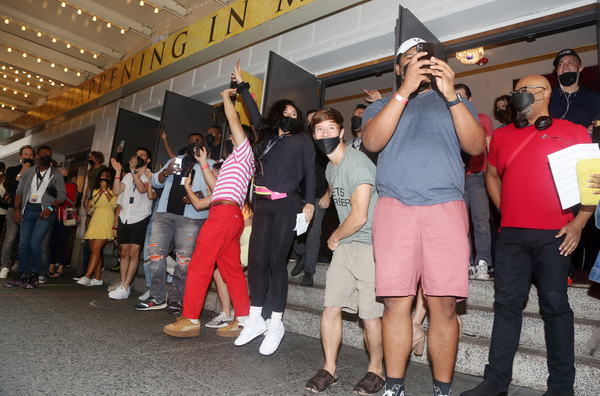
[351,281]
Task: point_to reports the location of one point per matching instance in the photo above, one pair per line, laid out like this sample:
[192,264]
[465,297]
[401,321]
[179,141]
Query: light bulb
[15,92]
[39,87]
[66,69]
[122,31]
[41,79]
[25,95]
[4,89]
[54,39]
[28,83]
[16,80]
[39,60]
[2,104]
[12,108]
[108,25]
[141,3]
[9,49]
[94,18]
[23,28]
[24,54]
[39,34]
[6,21]
[52,83]
[156,10]
[3,67]
[63,4]
[79,11]
[95,56]
[78,74]
[29,76]
[16,72]
[68,45]
[52,64]
[82,50]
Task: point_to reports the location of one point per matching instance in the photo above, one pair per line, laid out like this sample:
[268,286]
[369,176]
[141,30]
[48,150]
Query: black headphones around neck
[542,123]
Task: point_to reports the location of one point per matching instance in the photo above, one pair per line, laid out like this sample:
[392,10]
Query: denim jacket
[198,184]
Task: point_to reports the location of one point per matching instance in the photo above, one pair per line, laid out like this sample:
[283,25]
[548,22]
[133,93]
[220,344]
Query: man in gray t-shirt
[420,223]
[350,284]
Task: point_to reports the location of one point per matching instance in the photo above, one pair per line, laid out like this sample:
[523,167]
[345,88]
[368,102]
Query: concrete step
[303,316]
[481,293]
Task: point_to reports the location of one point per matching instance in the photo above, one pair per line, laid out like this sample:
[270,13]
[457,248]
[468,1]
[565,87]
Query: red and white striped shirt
[235,174]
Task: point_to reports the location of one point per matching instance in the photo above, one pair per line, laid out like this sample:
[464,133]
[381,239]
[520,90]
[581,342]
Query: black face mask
[502,113]
[288,123]
[210,140]
[567,79]
[521,101]
[92,162]
[107,181]
[356,122]
[140,162]
[328,145]
[28,161]
[45,161]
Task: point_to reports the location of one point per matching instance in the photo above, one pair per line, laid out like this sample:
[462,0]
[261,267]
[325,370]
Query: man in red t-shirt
[535,240]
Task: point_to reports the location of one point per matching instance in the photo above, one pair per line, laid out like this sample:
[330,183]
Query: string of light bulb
[146,3]
[94,17]
[37,79]
[40,59]
[4,105]
[14,91]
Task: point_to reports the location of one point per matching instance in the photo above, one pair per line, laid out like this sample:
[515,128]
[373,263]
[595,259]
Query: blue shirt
[198,184]
[421,164]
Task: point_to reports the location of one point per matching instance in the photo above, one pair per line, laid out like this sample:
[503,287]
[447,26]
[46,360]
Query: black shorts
[133,233]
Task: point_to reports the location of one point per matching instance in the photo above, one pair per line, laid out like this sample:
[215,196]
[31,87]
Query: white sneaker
[84,281]
[472,271]
[95,282]
[250,331]
[222,320]
[482,271]
[144,296]
[114,287]
[272,340]
[4,273]
[42,279]
[119,293]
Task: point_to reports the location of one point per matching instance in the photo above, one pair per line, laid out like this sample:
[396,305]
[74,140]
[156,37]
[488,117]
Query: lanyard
[40,178]
[271,144]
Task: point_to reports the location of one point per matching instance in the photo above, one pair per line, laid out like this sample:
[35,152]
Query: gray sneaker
[222,320]
[482,271]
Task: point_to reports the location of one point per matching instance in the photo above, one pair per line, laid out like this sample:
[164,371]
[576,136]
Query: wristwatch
[459,99]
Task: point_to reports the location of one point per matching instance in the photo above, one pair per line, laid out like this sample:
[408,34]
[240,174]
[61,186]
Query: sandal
[370,384]
[321,381]
[55,275]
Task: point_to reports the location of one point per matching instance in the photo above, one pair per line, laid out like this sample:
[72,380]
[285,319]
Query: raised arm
[247,98]
[117,186]
[163,136]
[235,126]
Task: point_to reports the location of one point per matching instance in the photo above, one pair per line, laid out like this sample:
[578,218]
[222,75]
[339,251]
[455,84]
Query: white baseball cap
[408,44]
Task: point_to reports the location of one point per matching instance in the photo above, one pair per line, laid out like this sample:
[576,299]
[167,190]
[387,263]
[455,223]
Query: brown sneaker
[233,329]
[183,327]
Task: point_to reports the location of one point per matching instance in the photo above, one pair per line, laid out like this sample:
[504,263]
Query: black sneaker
[19,281]
[150,304]
[307,280]
[33,281]
[174,308]
[396,390]
[488,387]
[299,267]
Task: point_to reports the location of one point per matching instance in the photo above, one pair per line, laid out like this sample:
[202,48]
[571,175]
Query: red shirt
[528,196]
[477,163]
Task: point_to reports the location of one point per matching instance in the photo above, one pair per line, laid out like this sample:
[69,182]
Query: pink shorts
[421,243]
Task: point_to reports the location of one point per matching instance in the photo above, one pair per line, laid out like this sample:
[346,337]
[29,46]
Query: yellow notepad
[585,168]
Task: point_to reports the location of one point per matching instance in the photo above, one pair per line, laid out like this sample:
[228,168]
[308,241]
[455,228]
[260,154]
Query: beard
[423,86]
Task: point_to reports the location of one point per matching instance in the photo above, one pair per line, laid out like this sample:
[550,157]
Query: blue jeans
[595,273]
[170,230]
[478,205]
[33,230]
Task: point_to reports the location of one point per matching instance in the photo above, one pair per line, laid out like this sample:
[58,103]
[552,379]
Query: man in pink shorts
[420,223]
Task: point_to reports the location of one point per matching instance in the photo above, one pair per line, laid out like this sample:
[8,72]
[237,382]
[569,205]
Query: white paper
[562,164]
[301,224]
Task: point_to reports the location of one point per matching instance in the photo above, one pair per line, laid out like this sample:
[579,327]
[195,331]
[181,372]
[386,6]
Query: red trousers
[218,242]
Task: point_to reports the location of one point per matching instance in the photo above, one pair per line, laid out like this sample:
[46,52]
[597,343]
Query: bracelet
[115,228]
[117,178]
[51,208]
[204,167]
[400,99]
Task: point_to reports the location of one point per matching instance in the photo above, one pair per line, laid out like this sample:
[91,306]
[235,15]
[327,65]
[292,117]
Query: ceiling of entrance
[49,45]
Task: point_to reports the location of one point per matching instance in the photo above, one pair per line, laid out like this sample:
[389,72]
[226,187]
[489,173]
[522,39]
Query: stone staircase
[304,308]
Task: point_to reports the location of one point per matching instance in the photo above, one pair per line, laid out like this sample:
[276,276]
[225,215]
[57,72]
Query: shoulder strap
[518,150]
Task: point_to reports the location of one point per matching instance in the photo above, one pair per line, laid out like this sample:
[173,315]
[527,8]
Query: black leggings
[272,235]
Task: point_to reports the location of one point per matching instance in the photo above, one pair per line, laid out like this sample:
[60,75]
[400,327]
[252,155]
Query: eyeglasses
[526,89]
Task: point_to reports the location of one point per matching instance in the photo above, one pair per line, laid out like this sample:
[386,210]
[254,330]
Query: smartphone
[121,146]
[198,148]
[429,48]
[177,168]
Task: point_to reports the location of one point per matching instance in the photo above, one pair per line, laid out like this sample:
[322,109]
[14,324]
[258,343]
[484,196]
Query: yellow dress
[103,217]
